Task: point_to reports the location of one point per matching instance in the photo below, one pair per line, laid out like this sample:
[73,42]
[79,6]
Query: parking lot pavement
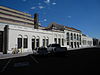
[1,53]
[78,61]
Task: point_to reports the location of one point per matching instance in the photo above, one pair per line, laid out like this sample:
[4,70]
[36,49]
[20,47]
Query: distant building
[19,31]
[86,41]
[96,42]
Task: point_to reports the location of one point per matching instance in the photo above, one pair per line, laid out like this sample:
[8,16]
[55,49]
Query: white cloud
[54,3]
[24,0]
[47,1]
[45,19]
[33,7]
[69,16]
[41,7]
[39,23]
[39,3]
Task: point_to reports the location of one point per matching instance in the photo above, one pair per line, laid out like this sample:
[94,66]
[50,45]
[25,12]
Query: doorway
[1,41]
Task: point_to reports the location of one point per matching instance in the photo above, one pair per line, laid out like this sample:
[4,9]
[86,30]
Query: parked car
[56,49]
[41,51]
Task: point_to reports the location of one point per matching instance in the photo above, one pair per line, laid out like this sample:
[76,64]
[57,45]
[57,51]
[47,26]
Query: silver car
[56,49]
[40,51]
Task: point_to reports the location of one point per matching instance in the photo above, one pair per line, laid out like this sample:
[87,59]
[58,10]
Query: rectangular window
[44,42]
[71,38]
[80,37]
[59,41]
[62,42]
[71,44]
[25,45]
[77,37]
[74,36]
[55,39]
[78,44]
[67,36]
[47,42]
[33,44]
[75,44]
[37,42]
[1,41]
[67,43]
[19,43]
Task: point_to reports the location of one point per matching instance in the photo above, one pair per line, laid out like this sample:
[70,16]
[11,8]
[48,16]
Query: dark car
[40,51]
[56,49]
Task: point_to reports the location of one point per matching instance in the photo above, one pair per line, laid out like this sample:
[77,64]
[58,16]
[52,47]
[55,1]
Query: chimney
[36,25]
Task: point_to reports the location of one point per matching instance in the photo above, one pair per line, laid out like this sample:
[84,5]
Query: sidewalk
[80,48]
[5,56]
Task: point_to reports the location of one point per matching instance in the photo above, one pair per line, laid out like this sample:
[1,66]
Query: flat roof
[13,10]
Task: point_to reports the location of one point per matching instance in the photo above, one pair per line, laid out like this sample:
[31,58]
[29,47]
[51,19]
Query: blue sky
[81,14]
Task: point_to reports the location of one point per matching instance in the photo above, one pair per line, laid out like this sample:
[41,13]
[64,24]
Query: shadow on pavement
[83,61]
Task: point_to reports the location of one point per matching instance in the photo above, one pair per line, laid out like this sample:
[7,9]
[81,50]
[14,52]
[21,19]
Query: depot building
[20,31]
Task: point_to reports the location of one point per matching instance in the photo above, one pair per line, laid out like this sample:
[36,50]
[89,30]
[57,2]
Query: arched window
[80,39]
[67,36]
[47,41]
[71,36]
[71,44]
[78,44]
[74,36]
[44,40]
[77,37]
[25,42]
[33,42]
[59,39]
[19,41]
[62,41]
[37,41]
[75,44]
[1,41]
[55,38]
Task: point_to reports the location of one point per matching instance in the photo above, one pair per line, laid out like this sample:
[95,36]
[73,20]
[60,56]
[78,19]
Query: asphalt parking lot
[83,61]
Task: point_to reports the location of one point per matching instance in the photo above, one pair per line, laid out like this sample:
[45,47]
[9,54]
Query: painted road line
[6,65]
[34,59]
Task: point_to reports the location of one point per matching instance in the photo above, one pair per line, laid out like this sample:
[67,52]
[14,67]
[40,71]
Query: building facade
[96,42]
[20,31]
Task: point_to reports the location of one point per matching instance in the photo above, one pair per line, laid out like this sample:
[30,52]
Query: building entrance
[1,41]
